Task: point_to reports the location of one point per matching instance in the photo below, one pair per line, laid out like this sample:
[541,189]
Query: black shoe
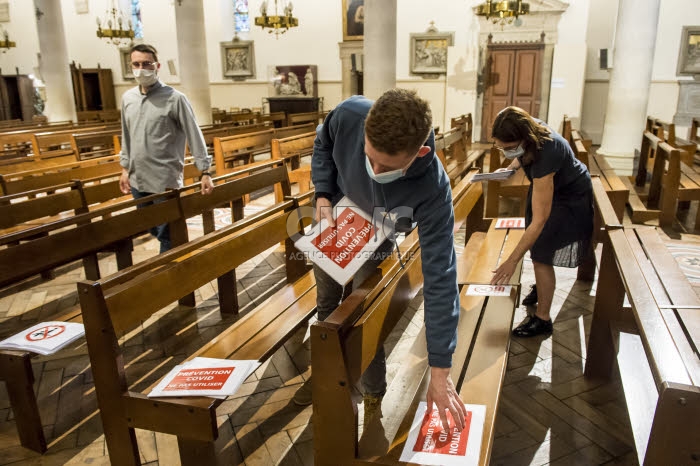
[533,326]
[531,298]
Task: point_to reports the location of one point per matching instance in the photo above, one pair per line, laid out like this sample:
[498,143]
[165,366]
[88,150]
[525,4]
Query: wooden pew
[309,117]
[44,178]
[112,300]
[667,131]
[453,148]
[345,343]
[93,144]
[655,342]
[292,149]
[278,119]
[243,147]
[617,189]
[88,233]
[693,134]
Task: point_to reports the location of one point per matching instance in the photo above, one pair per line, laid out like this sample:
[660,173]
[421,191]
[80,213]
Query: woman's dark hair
[515,124]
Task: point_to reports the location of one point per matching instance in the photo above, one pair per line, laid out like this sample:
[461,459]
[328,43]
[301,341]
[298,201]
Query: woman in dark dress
[559,211]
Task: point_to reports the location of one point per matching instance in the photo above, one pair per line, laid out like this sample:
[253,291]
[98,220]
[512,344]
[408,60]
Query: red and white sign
[46,332]
[432,438]
[45,337]
[341,250]
[514,222]
[200,379]
[428,443]
[340,244]
[489,290]
[217,378]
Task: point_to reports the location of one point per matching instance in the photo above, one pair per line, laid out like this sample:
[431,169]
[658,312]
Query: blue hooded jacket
[338,169]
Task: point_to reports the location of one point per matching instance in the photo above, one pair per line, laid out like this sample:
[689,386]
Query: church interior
[617,382]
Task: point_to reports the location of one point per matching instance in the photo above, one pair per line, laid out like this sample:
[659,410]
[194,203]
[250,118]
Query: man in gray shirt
[156,122]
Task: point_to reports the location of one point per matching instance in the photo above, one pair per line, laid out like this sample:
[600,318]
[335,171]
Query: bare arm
[542,195]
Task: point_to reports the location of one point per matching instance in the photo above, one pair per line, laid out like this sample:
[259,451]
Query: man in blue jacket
[382,155]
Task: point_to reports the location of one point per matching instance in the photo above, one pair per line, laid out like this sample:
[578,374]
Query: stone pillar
[60,103]
[628,94]
[194,69]
[380,47]
[347,50]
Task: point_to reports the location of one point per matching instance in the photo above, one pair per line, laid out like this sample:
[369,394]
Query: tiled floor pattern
[549,413]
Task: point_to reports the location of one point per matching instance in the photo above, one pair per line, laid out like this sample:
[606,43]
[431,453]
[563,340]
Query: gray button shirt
[155,127]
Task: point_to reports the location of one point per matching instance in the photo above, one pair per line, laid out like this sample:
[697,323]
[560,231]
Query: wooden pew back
[94,144]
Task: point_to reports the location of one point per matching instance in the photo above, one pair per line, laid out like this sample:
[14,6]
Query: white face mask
[513,153]
[383,178]
[145,77]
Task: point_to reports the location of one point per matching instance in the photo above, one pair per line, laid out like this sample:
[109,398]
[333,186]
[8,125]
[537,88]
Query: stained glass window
[240,15]
[136,18]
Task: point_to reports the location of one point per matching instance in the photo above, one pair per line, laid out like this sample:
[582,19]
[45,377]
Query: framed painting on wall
[293,81]
[125,60]
[689,55]
[238,59]
[429,52]
[353,19]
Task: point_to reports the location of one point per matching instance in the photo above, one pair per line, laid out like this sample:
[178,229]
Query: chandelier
[6,43]
[503,12]
[277,24]
[112,28]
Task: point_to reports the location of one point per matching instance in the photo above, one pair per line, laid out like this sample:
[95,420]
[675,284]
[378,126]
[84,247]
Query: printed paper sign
[515,222]
[200,379]
[45,332]
[341,250]
[351,234]
[489,290]
[428,443]
[217,378]
[45,338]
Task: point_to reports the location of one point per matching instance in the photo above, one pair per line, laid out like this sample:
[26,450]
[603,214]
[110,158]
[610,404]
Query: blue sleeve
[440,292]
[324,172]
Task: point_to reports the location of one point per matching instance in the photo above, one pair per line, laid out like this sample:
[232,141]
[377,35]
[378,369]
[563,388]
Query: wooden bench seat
[453,149]
[654,343]
[84,235]
[112,302]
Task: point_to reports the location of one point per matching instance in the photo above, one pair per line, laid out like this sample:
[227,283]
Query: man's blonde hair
[399,121]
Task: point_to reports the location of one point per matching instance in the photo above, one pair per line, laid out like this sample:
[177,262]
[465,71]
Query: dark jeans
[161,232]
[328,296]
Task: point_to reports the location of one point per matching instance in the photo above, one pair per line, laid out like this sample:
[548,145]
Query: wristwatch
[206,173]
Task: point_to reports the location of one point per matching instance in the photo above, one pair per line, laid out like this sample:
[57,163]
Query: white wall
[586,27]
[22,30]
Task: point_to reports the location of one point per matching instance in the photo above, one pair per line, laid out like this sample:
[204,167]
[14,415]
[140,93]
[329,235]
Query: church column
[194,69]
[628,95]
[380,47]
[60,103]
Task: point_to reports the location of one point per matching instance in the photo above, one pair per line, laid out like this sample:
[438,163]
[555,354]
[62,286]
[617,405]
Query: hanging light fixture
[277,24]
[6,43]
[112,28]
[503,12]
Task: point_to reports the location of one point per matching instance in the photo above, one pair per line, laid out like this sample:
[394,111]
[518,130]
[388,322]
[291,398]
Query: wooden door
[25,88]
[514,74]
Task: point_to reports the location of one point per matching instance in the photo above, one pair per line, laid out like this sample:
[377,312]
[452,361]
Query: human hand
[502,274]
[324,209]
[442,392]
[124,185]
[207,184]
